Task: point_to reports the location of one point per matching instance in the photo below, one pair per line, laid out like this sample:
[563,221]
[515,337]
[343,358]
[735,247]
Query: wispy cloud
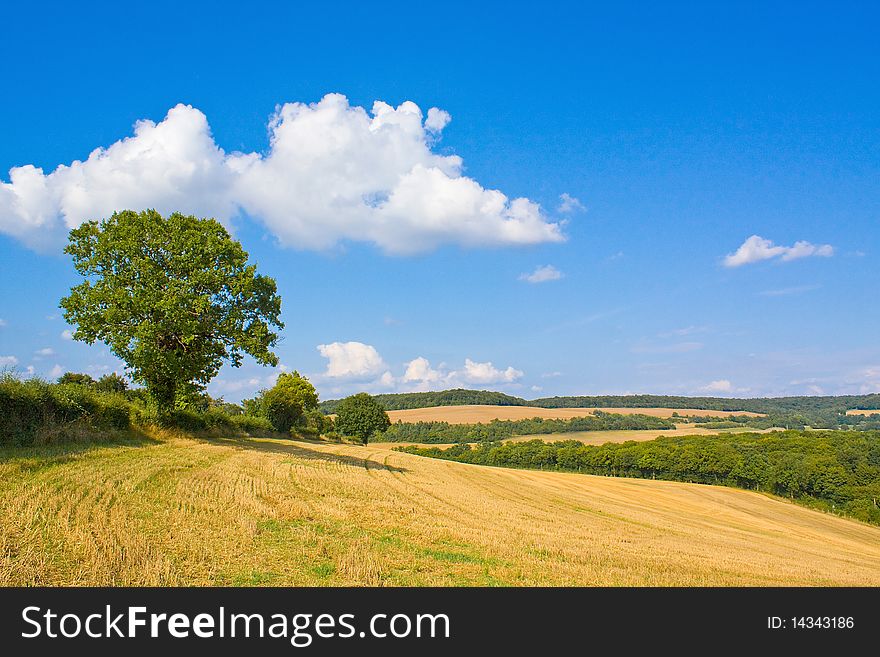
[542,274]
[756,249]
[645,347]
[685,330]
[569,204]
[788,291]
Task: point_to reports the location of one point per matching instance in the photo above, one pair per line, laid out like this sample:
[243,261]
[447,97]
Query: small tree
[361,416]
[76,378]
[172,297]
[111,383]
[286,403]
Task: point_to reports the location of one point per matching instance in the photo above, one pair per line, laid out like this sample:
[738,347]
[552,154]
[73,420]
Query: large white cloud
[332,172]
[756,249]
[351,360]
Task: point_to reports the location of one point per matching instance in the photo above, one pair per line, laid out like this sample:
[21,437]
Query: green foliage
[76,379]
[111,383]
[289,404]
[833,470]
[172,297]
[361,416]
[786,412]
[443,432]
[457,397]
[34,411]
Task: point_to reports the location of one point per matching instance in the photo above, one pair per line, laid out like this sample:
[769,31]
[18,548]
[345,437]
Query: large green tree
[174,297]
[361,416]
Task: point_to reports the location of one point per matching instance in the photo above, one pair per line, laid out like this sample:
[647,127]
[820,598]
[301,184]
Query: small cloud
[437,119]
[536,388]
[351,360]
[391,321]
[67,334]
[52,318]
[542,274]
[44,352]
[550,375]
[569,204]
[419,371]
[8,361]
[56,371]
[756,249]
[788,291]
[616,256]
[721,385]
[487,373]
[387,380]
[2,323]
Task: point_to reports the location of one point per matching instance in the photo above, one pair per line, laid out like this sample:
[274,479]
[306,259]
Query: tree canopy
[174,297]
[286,404]
[361,416]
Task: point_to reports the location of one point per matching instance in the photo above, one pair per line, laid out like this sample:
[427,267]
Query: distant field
[474,414]
[177,511]
[859,411]
[602,437]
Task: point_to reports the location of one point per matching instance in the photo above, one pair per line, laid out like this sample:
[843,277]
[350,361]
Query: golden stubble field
[484,413]
[177,511]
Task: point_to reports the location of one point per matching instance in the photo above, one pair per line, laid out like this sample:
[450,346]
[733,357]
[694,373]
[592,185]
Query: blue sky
[718,233]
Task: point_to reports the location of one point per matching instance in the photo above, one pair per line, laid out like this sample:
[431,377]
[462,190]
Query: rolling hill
[170,510]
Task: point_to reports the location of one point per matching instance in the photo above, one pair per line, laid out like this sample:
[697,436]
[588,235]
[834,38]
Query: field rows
[179,511]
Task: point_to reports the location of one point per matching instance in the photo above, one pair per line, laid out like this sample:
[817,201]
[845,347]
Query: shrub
[29,409]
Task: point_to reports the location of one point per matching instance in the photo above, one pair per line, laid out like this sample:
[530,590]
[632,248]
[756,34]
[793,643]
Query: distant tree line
[788,412]
[836,471]
[456,397]
[444,432]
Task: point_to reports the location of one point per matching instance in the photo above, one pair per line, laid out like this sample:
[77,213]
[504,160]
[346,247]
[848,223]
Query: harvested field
[474,414]
[178,511]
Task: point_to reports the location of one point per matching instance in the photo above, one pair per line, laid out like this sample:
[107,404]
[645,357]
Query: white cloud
[2,323]
[67,334]
[8,361]
[437,119]
[721,385]
[542,274]
[351,360]
[56,371]
[487,373]
[756,249]
[568,204]
[45,351]
[333,172]
[536,388]
[550,375]
[419,370]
